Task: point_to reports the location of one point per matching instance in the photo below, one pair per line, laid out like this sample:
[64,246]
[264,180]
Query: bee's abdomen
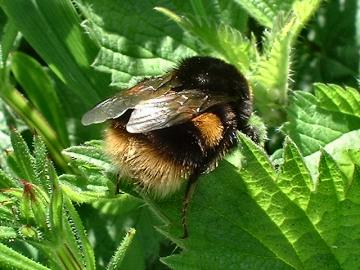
[142,161]
[160,160]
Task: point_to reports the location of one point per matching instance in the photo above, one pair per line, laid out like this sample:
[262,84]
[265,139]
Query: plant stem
[67,258]
[35,120]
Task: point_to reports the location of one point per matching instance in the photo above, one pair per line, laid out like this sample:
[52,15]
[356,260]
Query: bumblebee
[168,130]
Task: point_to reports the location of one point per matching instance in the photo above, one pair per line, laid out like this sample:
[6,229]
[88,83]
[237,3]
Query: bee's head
[214,75]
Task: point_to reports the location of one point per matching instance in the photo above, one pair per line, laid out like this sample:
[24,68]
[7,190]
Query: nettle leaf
[227,227]
[82,192]
[43,167]
[135,40]
[75,230]
[6,180]
[223,40]
[348,237]
[89,155]
[7,233]
[327,120]
[294,180]
[10,259]
[228,12]
[259,218]
[344,100]
[119,255]
[113,213]
[110,220]
[265,11]
[25,161]
[5,143]
[287,215]
[272,73]
[34,210]
[94,166]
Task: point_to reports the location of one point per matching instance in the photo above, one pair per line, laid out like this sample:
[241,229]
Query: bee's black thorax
[214,76]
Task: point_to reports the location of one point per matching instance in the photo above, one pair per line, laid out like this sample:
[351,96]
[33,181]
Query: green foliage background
[293,204]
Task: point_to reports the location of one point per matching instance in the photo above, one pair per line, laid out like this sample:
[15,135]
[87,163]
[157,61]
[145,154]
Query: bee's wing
[108,109]
[116,106]
[170,109]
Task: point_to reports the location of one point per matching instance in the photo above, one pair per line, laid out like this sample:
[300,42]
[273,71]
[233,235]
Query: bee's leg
[118,180]
[190,187]
[117,185]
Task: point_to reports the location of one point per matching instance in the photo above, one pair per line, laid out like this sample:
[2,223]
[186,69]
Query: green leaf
[25,160]
[7,233]
[118,206]
[338,99]
[110,219]
[315,123]
[311,127]
[94,184]
[282,220]
[9,40]
[7,181]
[265,11]
[339,149]
[6,215]
[334,209]
[119,255]
[129,51]
[324,204]
[40,90]
[89,155]
[347,239]
[224,40]
[328,51]
[272,71]
[294,179]
[83,192]
[272,75]
[5,143]
[292,221]
[224,11]
[10,259]
[39,207]
[222,215]
[41,163]
[82,240]
[66,49]
[33,119]
[56,208]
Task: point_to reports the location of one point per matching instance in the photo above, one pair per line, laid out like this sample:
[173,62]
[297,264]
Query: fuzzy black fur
[182,142]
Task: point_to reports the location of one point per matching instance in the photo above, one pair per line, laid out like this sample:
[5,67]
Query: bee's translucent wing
[108,109]
[116,106]
[170,109]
